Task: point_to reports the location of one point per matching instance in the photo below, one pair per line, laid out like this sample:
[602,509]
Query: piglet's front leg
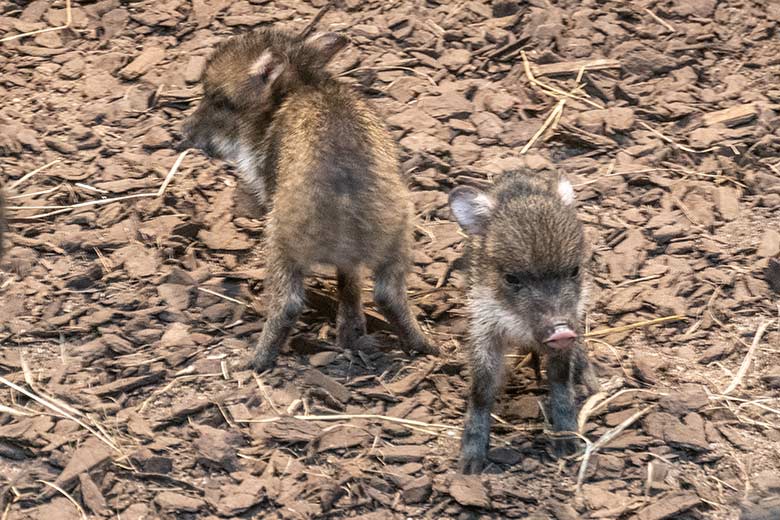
[486,374]
[561,405]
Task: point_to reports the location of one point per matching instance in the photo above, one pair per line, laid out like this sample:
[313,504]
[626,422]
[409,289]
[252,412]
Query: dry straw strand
[743,369]
[349,417]
[172,172]
[660,20]
[218,295]
[68,21]
[13,411]
[554,116]
[64,493]
[30,174]
[551,122]
[639,324]
[56,210]
[35,193]
[40,400]
[30,380]
[551,90]
[605,439]
[675,143]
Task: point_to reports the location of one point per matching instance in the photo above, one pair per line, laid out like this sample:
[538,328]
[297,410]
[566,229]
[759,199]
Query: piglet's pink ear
[327,44]
[265,69]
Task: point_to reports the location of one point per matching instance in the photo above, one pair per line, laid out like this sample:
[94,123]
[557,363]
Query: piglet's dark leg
[562,409]
[486,375]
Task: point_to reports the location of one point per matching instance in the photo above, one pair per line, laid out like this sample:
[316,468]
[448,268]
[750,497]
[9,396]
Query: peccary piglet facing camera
[314,151]
[527,254]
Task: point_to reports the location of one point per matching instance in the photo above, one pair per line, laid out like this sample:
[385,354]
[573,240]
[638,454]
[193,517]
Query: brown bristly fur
[314,150]
[527,254]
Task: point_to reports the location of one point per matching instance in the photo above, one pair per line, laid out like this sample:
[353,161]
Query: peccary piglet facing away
[527,254]
[312,149]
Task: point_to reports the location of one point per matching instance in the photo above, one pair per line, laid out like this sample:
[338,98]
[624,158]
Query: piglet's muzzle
[562,338]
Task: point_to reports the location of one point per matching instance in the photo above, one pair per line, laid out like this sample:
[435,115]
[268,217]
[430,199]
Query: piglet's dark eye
[575,272]
[512,279]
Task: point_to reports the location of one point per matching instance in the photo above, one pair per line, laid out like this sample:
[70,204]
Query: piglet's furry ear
[472,208]
[327,44]
[265,69]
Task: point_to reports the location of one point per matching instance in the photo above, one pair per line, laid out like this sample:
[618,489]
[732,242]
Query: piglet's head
[247,78]
[528,257]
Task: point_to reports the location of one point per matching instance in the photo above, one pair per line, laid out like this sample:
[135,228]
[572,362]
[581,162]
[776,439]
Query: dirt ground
[128,311]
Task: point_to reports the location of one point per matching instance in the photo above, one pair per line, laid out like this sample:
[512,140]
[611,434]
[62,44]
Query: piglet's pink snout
[561,338]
